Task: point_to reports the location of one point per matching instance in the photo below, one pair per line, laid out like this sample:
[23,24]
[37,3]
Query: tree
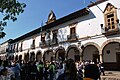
[9,9]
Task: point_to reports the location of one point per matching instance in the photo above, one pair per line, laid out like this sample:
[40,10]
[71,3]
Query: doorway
[96,58]
[118,60]
[77,58]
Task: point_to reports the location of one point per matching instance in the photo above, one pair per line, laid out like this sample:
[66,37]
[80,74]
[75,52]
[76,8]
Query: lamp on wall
[79,43]
[117,20]
[82,46]
[101,25]
[108,51]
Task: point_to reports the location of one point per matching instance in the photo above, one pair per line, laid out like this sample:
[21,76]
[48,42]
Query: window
[33,44]
[16,47]
[21,47]
[13,48]
[72,35]
[10,48]
[47,36]
[110,15]
[55,40]
[73,28]
[110,21]
[43,37]
[54,35]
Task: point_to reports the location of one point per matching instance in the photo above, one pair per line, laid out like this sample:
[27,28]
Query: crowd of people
[54,70]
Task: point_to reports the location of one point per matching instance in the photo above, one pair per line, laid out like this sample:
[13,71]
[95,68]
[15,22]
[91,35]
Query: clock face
[51,15]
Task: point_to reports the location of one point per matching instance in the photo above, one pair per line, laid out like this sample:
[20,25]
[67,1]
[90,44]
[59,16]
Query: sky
[36,13]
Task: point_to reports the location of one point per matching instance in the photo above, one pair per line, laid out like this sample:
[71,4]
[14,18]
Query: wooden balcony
[72,37]
[42,44]
[54,42]
[32,46]
[106,30]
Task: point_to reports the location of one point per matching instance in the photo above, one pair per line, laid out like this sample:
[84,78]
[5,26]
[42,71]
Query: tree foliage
[9,9]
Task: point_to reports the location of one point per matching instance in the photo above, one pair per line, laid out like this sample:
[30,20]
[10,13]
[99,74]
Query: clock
[51,16]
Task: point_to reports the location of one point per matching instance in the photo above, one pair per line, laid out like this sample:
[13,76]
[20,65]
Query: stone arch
[91,51]
[60,54]
[111,54]
[26,57]
[48,55]
[67,50]
[12,58]
[73,52]
[108,41]
[32,56]
[20,57]
[92,43]
[16,57]
[38,55]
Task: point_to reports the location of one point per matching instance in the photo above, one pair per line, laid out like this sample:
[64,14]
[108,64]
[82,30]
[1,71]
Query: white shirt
[4,77]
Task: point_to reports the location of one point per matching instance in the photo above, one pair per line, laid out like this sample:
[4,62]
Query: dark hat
[92,71]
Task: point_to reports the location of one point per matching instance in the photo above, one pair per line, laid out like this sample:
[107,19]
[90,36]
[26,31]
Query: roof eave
[69,17]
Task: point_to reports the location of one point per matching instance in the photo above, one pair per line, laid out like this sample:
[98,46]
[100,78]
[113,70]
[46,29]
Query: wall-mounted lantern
[101,25]
[108,51]
[117,20]
[79,43]
[82,46]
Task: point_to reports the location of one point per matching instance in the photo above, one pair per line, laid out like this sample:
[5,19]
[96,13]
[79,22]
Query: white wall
[111,57]
[37,41]
[27,44]
[88,25]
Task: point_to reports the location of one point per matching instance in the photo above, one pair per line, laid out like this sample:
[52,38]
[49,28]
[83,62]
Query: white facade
[90,42]
[4,50]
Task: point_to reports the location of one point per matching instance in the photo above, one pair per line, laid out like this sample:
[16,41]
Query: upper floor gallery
[98,19]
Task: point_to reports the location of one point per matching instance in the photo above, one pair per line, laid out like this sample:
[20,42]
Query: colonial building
[4,51]
[92,33]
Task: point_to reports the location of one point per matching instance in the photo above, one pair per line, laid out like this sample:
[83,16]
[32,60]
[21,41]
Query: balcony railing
[54,41]
[48,43]
[32,46]
[72,37]
[20,49]
[42,44]
[107,29]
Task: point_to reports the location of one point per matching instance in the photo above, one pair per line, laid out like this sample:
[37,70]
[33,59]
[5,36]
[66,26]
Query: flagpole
[41,26]
[84,2]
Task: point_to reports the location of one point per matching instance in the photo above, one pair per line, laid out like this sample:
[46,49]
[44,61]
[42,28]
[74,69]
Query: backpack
[40,68]
[52,68]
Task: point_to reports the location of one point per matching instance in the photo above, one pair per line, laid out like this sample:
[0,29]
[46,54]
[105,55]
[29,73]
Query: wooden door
[118,60]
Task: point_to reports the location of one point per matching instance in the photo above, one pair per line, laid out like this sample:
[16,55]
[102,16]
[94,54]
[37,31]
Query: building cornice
[62,20]
[8,41]
[97,2]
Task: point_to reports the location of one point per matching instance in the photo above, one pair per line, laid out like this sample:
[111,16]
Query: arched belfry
[51,17]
